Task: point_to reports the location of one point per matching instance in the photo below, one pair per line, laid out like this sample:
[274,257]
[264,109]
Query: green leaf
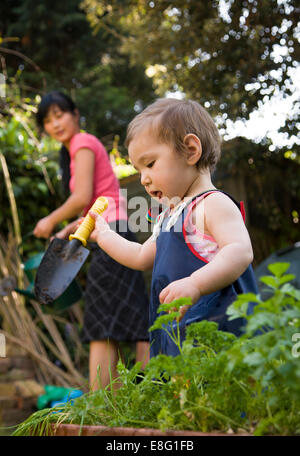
[254,359]
[262,319]
[290,290]
[278,269]
[164,320]
[248,297]
[270,281]
[42,187]
[174,304]
[286,278]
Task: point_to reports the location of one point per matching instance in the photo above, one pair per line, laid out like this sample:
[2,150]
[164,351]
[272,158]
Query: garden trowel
[63,259]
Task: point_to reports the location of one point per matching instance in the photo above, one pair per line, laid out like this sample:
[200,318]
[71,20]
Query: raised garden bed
[106,431]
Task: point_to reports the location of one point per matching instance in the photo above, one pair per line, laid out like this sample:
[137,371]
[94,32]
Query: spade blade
[63,259]
[59,266]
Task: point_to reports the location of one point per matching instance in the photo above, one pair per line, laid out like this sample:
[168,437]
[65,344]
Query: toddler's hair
[171,120]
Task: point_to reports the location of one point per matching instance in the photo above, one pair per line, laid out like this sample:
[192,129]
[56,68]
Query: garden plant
[218,382]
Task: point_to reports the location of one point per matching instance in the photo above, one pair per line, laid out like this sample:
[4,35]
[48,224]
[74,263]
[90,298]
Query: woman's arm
[128,253]
[78,200]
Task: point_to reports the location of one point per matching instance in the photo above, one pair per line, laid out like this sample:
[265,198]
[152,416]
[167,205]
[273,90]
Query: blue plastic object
[68,398]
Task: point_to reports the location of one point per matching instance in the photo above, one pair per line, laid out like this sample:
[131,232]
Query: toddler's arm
[130,254]
[225,224]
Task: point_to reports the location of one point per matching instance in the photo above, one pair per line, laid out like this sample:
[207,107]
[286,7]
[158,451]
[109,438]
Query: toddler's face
[165,173]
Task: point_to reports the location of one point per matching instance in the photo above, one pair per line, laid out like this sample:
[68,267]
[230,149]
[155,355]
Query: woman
[116,303]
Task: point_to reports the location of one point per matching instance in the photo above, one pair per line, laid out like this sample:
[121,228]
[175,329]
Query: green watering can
[70,296]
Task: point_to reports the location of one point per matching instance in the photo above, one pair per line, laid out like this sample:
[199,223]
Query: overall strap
[239,204]
[159,219]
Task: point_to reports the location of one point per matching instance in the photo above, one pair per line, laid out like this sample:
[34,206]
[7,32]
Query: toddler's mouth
[156,194]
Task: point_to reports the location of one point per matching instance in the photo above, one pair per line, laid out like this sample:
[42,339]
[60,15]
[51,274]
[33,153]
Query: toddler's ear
[193,148]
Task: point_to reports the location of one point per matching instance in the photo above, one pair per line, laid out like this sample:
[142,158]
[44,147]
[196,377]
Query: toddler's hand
[180,289]
[101,227]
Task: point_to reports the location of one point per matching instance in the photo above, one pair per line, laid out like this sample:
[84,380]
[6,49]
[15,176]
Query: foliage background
[115,57]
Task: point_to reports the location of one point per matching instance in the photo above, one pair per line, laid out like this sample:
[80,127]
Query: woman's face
[61,125]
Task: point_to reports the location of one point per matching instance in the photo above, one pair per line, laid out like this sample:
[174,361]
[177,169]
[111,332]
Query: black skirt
[116,300]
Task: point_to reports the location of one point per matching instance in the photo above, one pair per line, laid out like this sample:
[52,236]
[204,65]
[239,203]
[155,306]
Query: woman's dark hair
[64,164]
[63,101]
[66,104]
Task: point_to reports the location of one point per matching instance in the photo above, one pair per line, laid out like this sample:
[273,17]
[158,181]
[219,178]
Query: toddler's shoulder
[218,196]
[219,204]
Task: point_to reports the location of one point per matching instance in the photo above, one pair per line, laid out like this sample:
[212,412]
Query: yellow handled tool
[86,227]
[63,259]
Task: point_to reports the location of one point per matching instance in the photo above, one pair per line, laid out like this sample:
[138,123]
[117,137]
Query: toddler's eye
[150,164]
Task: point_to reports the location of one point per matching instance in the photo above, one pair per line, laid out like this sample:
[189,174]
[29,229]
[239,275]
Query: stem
[25,58]
[218,414]
[175,339]
[15,217]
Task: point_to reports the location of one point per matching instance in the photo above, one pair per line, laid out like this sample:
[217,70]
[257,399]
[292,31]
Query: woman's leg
[103,363]
[142,353]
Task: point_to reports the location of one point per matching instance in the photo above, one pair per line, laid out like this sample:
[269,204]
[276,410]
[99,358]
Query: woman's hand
[68,229]
[44,228]
[180,289]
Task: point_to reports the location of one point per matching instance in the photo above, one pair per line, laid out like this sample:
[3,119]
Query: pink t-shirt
[105,182]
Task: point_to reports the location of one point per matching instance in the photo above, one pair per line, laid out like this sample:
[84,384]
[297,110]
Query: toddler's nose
[145,178]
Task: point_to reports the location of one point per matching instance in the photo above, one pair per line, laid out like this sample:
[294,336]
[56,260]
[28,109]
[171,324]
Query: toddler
[200,247]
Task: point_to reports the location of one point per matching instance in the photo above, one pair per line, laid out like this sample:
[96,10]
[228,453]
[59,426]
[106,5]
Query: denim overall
[174,261]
